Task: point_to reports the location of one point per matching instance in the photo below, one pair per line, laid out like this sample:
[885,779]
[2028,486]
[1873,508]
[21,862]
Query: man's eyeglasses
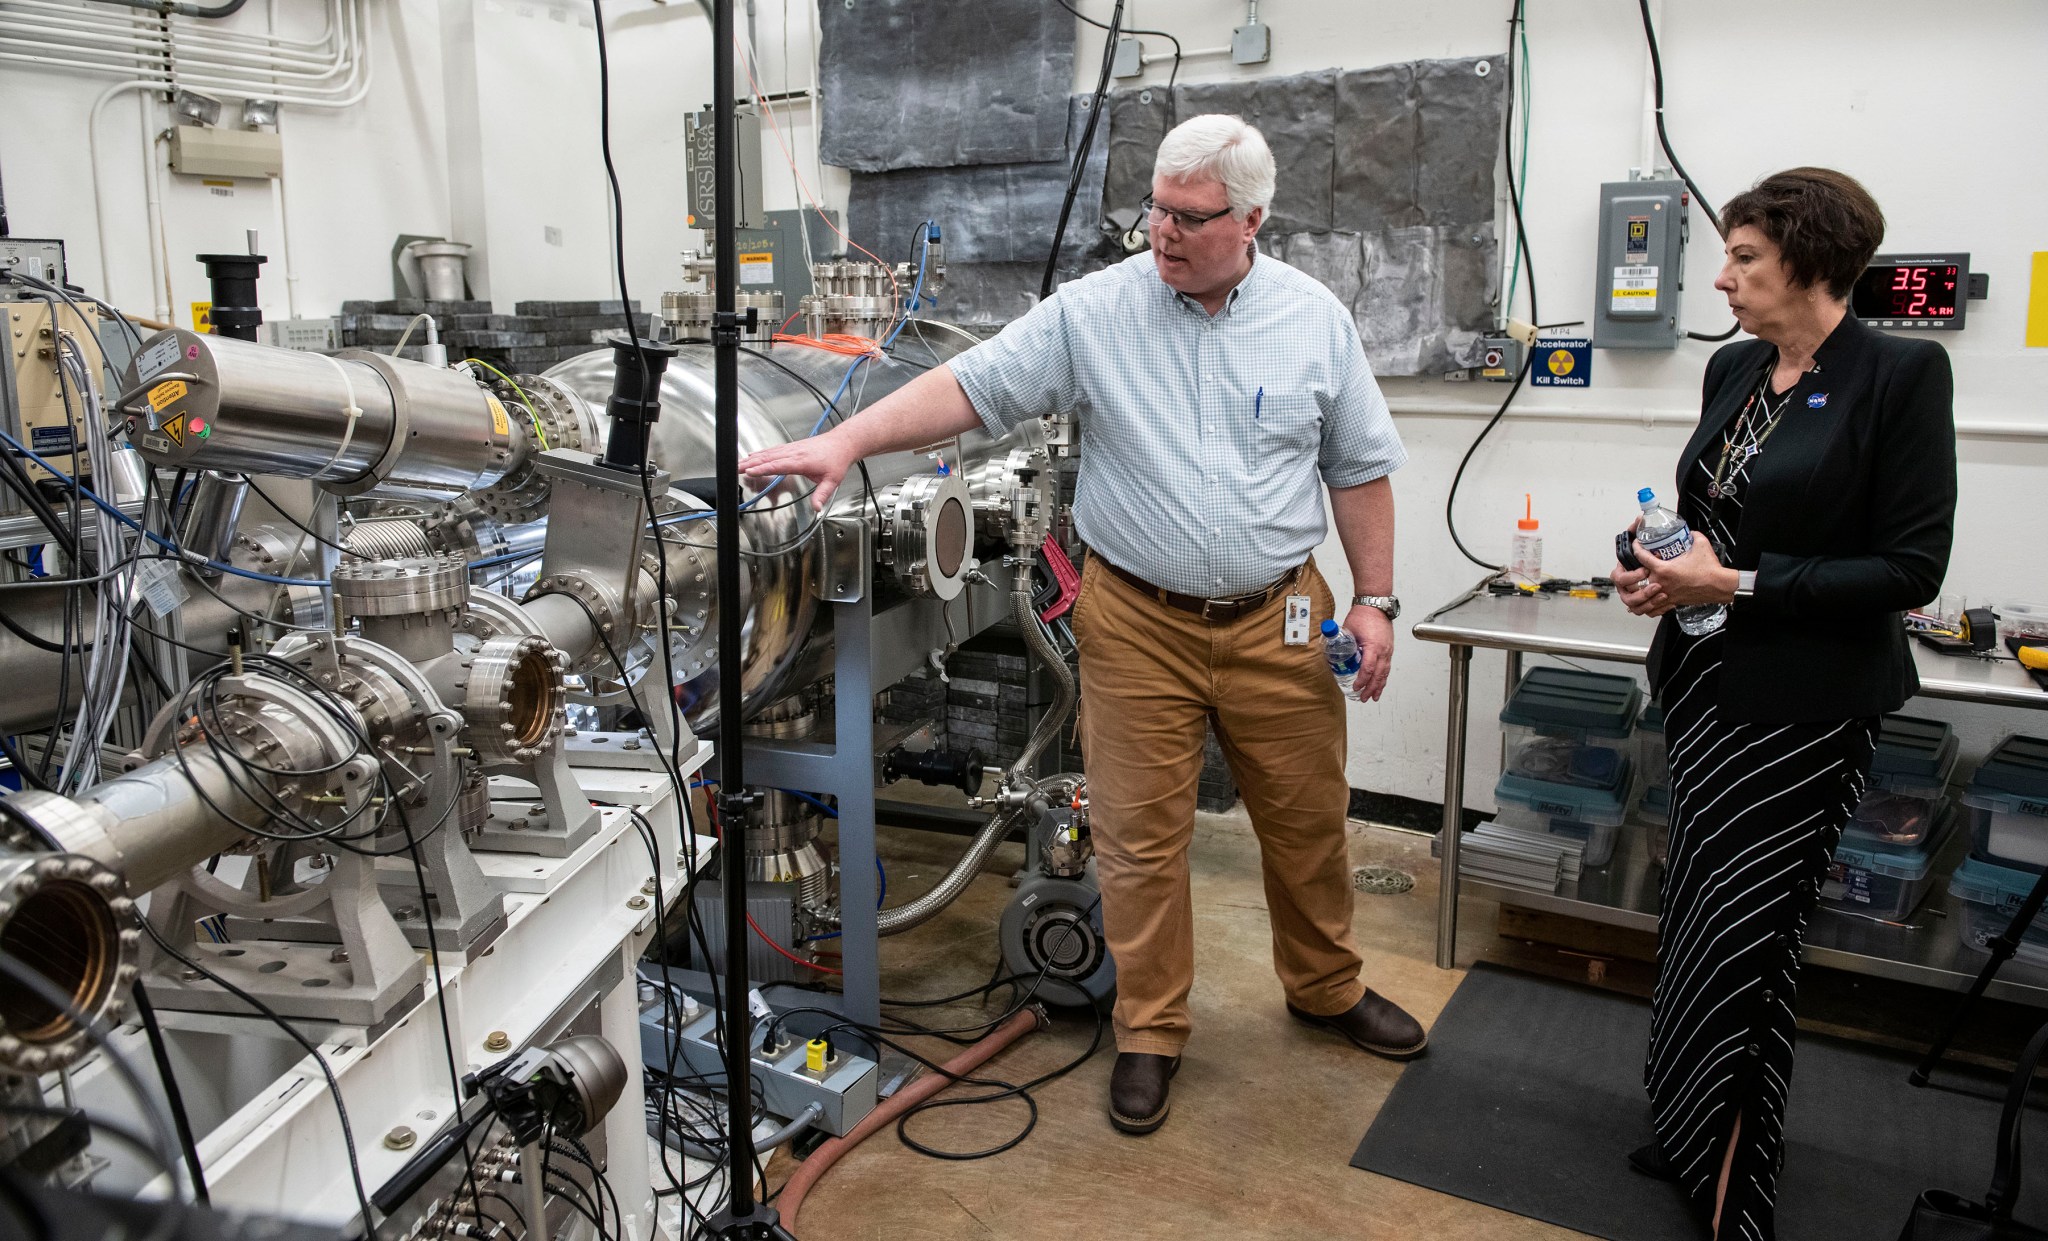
[1186,222]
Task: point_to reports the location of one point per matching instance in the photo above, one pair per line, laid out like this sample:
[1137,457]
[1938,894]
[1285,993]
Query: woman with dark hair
[1821,487]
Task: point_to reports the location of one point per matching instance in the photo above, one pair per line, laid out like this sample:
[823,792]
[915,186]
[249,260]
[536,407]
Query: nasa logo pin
[1817,400]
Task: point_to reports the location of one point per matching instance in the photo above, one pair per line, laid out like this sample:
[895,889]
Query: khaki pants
[1152,677]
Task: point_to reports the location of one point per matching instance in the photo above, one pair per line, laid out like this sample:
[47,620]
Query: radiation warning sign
[1562,362]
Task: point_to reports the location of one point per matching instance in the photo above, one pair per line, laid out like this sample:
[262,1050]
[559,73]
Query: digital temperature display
[1928,291]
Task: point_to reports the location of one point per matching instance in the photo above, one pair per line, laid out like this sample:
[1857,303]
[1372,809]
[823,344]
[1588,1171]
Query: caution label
[175,428]
[202,317]
[1634,289]
[166,393]
[498,424]
[757,268]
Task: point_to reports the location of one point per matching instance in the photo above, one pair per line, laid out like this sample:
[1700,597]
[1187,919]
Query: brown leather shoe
[1137,1090]
[1376,1024]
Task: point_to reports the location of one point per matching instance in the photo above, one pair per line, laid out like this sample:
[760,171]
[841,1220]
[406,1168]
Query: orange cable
[836,342]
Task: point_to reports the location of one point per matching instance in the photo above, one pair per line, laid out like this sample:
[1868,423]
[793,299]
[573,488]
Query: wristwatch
[1745,583]
[1385,603]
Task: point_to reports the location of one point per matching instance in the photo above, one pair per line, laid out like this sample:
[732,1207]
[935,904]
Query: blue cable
[168,545]
[812,800]
[152,536]
[502,559]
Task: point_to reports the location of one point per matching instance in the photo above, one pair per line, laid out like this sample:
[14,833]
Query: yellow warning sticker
[175,428]
[2037,303]
[498,424]
[202,317]
[161,396]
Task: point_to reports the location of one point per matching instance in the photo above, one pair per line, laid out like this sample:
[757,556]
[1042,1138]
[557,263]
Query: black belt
[1212,610]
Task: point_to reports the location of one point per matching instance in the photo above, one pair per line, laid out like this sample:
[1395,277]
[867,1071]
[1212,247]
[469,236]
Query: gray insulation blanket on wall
[942,83]
[1386,194]
[997,221]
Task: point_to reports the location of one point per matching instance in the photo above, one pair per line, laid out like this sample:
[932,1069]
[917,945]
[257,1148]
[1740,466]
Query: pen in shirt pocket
[1258,403]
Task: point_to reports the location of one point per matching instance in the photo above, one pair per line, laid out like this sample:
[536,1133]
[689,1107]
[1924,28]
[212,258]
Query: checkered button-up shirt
[1202,438]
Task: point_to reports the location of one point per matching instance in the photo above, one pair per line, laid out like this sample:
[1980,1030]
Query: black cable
[304,529]
[678,725]
[1664,141]
[681,789]
[1529,265]
[161,1052]
[348,1136]
[97,1029]
[1059,233]
[1170,77]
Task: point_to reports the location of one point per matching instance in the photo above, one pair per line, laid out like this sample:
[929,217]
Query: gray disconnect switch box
[1640,270]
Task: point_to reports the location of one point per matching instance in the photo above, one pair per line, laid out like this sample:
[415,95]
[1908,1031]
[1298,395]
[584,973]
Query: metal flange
[68,918]
[513,700]
[931,535]
[407,587]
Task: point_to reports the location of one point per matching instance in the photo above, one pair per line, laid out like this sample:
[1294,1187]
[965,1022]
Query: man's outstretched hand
[824,459]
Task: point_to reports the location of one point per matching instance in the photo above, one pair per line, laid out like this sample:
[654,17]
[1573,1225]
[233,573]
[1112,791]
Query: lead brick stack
[538,337]
[987,697]
[919,698]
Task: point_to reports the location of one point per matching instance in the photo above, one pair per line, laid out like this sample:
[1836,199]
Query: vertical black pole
[740,1219]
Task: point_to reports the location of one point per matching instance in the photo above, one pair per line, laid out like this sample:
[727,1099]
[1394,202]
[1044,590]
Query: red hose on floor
[821,1160]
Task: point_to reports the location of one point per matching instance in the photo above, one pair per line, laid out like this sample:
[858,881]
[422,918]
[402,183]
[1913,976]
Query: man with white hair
[1214,387]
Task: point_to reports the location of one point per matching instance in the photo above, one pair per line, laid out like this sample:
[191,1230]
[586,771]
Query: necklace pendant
[1714,491]
[1727,490]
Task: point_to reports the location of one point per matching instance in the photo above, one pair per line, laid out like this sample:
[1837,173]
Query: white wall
[353,179]
[484,125]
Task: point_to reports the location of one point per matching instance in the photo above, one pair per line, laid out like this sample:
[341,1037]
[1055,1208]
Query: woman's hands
[1695,577]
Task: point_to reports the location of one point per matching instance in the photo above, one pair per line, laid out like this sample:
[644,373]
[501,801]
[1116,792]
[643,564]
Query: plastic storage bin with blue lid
[1908,773]
[2008,804]
[1564,702]
[1885,881]
[1990,894]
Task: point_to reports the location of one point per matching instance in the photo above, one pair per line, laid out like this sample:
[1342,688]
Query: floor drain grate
[1381,880]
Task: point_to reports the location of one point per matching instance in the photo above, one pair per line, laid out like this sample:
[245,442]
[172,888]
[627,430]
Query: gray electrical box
[1639,269]
[771,256]
[700,163]
[42,259]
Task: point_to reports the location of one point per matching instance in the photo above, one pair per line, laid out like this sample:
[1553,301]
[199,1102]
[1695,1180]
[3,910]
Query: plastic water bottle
[1341,649]
[1525,559]
[1665,535]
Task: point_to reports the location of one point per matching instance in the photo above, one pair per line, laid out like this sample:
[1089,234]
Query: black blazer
[1847,521]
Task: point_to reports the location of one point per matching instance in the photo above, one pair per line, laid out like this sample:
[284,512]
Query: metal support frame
[1454,809]
[873,652]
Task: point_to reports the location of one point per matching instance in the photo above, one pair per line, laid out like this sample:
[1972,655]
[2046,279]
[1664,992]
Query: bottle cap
[1528,518]
[1329,627]
[1646,496]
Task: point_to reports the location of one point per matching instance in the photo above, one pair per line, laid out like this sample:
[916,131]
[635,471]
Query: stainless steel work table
[1624,892]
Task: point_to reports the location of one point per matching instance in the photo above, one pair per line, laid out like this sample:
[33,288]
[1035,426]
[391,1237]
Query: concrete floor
[1266,1112]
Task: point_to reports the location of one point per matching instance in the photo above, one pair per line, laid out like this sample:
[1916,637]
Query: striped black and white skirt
[1757,811]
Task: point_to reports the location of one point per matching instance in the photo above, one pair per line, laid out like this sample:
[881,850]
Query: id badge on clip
[1298,627]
